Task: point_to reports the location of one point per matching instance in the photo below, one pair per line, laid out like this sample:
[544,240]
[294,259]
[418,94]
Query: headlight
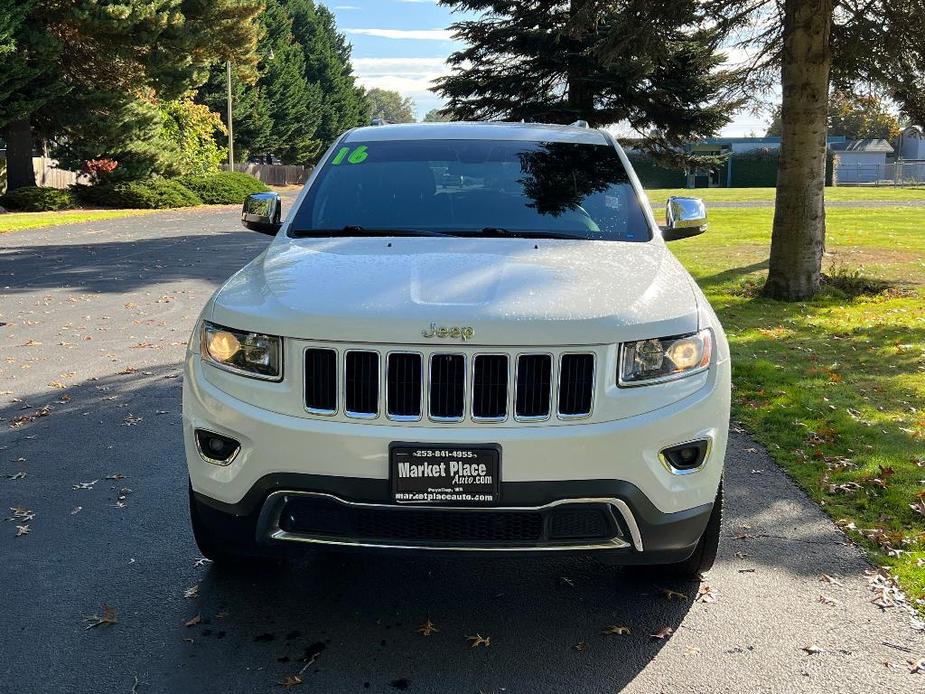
[664,359]
[250,354]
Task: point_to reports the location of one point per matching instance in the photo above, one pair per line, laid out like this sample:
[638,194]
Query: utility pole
[230,126]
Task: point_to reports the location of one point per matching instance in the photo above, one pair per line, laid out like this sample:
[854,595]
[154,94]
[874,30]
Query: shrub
[37,199]
[225,188]
[150,194]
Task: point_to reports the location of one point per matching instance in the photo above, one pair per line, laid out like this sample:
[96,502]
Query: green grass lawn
[17,221]
[839,194]
[834,388]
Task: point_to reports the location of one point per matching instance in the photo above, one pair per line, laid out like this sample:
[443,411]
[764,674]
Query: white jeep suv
[464,337]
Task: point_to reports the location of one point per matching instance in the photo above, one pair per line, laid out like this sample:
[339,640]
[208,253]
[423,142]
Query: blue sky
[403,44]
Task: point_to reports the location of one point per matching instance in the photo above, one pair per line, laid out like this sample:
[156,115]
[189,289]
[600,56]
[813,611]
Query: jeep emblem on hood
[455,331]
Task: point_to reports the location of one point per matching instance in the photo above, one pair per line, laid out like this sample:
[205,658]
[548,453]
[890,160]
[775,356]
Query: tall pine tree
[652,64]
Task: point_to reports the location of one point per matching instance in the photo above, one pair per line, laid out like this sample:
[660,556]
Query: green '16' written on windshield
[357,156]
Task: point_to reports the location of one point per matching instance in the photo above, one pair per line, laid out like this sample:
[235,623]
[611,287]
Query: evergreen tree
[653,64]
[327,64]
[252,121]
[294,104]
[60,54]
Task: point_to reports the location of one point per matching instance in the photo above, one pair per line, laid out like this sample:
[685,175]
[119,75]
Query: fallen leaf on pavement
[662,633]
[17,476]
[673,594]
[76,509]
[917,666]
[706,594]
[290,682]
[427,628]
[193,621]
[826,600]
[812,649]
[479,640]
[22,530]
[581,646]
[191,592]
[834,581]
[107,618]
[84,485]
[615,630]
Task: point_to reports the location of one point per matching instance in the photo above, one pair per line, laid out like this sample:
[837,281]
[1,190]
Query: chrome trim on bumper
[268,524]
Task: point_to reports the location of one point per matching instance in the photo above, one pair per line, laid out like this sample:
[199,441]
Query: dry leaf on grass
[427,628]
[107,618]
[478,640]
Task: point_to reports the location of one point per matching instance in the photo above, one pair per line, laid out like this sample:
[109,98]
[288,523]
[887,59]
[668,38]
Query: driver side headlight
[664,359]
[249,354]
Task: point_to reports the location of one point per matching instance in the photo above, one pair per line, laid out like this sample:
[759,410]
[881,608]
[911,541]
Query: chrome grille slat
[447,387]
[576,385]
[450,386]
[490,387]
[404,381]
[321,381]
[361,384]
[534,387]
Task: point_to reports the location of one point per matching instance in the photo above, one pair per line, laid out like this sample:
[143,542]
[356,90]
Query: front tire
[704,555]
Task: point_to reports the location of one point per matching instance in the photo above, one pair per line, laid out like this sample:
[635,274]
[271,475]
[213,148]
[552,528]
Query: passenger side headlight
[664,359]
[250,354]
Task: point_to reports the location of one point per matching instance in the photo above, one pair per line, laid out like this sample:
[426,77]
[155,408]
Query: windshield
[473,187]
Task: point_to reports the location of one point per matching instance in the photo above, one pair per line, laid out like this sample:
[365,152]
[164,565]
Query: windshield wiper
[501,231]
[357,230]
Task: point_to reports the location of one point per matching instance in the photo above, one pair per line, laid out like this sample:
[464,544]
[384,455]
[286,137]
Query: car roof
[530,132]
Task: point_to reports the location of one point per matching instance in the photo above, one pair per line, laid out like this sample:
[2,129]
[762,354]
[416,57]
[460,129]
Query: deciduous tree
[390,105]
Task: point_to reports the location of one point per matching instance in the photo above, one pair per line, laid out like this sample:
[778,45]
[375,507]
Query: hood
[510,291]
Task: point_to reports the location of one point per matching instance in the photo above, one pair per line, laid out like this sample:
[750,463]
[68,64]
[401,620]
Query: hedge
[38,199]
[151,194]
[225,188]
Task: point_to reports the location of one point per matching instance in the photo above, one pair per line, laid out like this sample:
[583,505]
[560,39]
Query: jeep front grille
[449,387]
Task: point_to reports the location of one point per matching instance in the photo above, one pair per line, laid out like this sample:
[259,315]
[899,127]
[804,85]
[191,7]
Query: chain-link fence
[906,172]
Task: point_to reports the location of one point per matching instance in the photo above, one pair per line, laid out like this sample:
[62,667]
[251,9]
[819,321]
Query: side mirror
[261,213]
[685,217]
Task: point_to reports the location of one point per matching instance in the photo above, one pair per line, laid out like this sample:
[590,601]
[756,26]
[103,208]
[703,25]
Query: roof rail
[580,124]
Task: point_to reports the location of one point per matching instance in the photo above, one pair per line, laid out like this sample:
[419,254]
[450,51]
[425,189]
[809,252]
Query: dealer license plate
[445,474]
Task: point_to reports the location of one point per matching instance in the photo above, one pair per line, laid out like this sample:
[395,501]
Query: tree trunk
[19,171]
[580,96]
[798,237]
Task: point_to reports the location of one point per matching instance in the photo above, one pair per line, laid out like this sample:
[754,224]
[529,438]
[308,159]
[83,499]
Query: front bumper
[657,515]
[638,532]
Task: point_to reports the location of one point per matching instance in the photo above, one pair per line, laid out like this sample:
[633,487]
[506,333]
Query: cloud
[409,76]
[414,34]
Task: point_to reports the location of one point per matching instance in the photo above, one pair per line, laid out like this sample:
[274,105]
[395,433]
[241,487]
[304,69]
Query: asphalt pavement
[93,323]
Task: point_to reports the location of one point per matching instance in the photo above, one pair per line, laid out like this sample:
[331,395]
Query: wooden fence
[274,175]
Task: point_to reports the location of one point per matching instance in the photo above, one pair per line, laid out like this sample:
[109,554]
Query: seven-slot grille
[446,386]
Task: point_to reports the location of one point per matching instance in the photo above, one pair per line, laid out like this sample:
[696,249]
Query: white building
[861,161]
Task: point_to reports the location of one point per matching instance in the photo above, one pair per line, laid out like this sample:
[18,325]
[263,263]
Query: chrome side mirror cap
[262,213]
[684,217]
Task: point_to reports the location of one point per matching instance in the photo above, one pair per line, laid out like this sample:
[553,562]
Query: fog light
[215,448]
[685,457]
